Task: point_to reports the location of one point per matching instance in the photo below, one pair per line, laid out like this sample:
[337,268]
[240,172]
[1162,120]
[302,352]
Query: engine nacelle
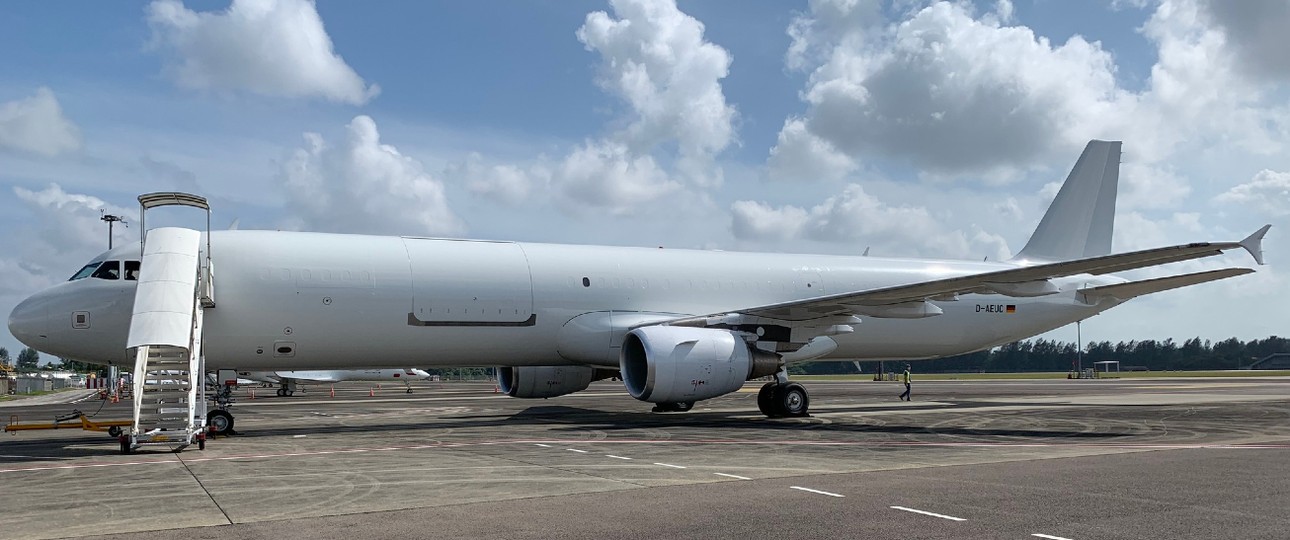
[672,364]
[544,381]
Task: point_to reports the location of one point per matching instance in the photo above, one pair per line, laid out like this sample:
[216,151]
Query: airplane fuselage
[291,300]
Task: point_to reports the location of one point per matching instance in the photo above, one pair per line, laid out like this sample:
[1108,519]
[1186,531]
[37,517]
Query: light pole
[111,220]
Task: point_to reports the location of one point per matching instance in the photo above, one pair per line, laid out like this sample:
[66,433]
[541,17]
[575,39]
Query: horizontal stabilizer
[1132,289]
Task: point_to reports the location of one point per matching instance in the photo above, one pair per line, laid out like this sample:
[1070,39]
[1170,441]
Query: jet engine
[546,381]
[676,364]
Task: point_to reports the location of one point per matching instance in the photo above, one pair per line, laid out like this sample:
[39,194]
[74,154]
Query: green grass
[1049,375]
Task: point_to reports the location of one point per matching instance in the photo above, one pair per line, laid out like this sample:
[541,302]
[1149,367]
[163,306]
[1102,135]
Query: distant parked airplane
[291,380]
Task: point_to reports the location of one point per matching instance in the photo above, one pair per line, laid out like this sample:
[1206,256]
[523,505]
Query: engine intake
[546,381]
[672,364]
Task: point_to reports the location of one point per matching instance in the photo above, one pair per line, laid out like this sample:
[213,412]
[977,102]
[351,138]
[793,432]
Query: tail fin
[1080,220]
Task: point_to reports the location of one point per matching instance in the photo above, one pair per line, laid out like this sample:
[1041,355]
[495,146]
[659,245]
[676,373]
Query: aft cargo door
[469,283]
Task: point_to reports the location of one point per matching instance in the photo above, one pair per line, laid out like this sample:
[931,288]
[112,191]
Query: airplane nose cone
[29,322]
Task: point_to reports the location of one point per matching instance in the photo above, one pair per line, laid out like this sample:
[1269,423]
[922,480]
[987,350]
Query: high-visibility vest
[907,376]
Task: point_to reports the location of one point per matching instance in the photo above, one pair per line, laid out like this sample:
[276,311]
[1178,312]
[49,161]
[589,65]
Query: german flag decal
[1012,308]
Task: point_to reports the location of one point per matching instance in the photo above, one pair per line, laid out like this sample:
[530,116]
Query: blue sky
[915,128]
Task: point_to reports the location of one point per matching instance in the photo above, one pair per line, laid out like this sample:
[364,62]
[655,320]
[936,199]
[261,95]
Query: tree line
[1051,355]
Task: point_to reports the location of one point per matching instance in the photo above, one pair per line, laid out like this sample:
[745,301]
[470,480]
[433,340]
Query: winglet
[1254,243]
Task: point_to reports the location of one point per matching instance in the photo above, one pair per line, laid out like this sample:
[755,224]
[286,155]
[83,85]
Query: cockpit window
[131,270]
[85,272]
[109,270]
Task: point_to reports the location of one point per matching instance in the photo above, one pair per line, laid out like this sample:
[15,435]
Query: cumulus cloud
[1268,192]
[606,175]
[654,58]
[506,184]
[951,92]
[854,216]
[269,47]
[1255,29]
[801,155]
[362,185]
[69,222]
[37,125]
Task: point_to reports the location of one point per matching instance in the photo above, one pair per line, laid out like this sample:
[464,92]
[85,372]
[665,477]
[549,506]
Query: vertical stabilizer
[1080,221]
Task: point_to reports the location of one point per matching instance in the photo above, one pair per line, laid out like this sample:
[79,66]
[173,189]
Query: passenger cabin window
[131,270]
[108,270]
[86,271]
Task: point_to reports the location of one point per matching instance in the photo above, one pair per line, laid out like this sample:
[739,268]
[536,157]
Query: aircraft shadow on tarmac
[559,420]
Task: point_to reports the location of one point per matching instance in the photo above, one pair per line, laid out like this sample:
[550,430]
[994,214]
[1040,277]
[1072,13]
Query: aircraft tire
[221,421]
[282,392]
[683,406]
[793,400]
[766,400]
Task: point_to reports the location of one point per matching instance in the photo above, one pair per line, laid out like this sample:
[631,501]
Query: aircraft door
[469,283]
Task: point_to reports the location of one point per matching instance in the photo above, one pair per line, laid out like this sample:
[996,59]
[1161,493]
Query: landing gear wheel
[114,431]
[679,406]
[766,399]
[282,392]
[221,422]
[792,400]
[409,390]
[290,393]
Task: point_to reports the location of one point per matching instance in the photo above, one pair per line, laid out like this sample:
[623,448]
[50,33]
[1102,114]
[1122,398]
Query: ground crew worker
[905,396]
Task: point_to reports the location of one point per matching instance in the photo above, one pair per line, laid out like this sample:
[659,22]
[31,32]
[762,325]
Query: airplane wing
[1134,289]
[908,300]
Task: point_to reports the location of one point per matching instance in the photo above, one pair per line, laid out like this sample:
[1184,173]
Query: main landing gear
[680,406]
[783,398]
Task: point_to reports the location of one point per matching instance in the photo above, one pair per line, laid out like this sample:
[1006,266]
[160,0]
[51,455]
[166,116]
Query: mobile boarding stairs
[174,287]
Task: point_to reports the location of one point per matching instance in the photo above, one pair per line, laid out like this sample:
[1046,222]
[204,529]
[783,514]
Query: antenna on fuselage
[111,220]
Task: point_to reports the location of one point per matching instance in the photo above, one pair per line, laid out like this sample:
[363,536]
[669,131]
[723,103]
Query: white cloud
[69,222]
[362,185]
[1199,94]
[853,216]
[654,58]
[606,175]
[1268,192]
[1010,208]
[801,155]
[37,125]
[507,184]
[759,221]
[269,47]
[1150,186]
[951,92]
[1256,32]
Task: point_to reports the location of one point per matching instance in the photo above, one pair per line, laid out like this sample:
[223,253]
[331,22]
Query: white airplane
[678,325]
[291,380]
